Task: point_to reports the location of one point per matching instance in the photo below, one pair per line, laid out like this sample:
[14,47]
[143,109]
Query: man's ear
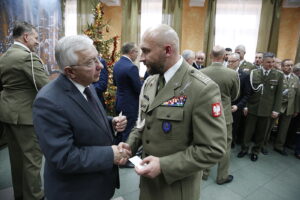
[69,72]
[26,37]
[168,49]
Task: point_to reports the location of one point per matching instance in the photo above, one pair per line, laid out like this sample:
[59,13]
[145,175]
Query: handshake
[122,153]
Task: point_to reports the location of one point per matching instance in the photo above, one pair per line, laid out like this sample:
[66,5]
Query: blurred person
[258,60]
[228,51]
[101,85]
[199,60]
[244,65]
[189,56]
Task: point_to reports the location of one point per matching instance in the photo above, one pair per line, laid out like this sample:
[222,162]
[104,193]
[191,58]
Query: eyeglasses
[90,63]
[232,61]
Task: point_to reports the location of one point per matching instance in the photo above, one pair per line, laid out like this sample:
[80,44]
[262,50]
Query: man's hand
[234,108]
[119,123]
[151,167]
[245,111]
[120,155]
[274,114]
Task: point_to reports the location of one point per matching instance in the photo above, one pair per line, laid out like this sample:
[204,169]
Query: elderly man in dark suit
[73,130]
[239,104]
[126,78]
[22,75]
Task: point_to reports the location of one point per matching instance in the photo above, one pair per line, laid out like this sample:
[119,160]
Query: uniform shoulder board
[200,76]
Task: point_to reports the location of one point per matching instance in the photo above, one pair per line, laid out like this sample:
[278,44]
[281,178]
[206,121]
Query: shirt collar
[79,87]
[241,62]
[287,76]
[264,70]
[22,45]
[170,72]
[237,69]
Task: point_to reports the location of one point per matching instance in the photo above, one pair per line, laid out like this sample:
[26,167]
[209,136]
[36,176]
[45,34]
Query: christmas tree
[108,49]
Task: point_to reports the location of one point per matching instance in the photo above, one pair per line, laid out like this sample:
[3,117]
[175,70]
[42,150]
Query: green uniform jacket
[229,84]
[187,138]
[247,66]
[290,95]
[18,90]
[267,94]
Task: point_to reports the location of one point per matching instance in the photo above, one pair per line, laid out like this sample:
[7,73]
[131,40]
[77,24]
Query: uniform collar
[22,45]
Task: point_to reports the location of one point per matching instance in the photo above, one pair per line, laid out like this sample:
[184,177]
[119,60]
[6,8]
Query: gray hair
[186,54]
[21,27]
[218,51]
[163,34]
[127,47]
[268,55]
[235,55]
[241,47]
[66,48]
[296,67]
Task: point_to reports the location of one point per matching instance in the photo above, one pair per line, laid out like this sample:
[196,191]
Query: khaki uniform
[289,106]
[17,95]
[229,84]
[247,66]
[265,99]
[187,138]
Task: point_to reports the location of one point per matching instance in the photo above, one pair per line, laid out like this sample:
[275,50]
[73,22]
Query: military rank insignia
[176,101]
[216,110]
[166,126]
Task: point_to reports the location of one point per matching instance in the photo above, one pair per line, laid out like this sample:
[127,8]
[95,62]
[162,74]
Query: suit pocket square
[175,101]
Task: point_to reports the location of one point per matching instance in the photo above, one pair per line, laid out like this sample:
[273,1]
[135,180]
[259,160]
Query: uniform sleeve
[235,91]
[278,95]
[35,71]
[209,139]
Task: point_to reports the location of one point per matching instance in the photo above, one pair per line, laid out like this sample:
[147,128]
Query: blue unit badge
[166,126]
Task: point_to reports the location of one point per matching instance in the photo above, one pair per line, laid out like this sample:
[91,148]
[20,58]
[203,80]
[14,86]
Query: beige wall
[193,22]
[289,33]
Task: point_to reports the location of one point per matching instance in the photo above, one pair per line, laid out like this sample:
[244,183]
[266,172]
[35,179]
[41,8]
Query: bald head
[163,34]
[160,49]
[217,53]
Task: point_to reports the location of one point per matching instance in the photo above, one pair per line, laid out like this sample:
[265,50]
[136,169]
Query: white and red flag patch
[216,109]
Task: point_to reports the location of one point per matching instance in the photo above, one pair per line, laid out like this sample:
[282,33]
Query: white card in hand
[136,161]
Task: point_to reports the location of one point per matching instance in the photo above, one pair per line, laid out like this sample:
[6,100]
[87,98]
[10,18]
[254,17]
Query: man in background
[73,130]
[263,104]
[239,104]
[189,56]
[229,84]
[101,84]
[126,78]
[22,75]
[181,122]
[289,106]
[244,65]
[200,60]
[228,51]
[258,60]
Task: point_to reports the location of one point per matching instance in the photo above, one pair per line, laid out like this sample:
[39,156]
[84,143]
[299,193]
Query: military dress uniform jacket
[17,83]
[290,95]
[267,92]
[247,66]
[187,136]
[229,84]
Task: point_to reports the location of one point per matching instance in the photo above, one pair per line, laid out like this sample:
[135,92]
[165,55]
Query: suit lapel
[168,91]
[74,94]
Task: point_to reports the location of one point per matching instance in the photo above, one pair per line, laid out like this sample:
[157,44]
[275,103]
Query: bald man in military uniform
[244,65]
[263,104]
[289,106]
[181,121]
[229,84]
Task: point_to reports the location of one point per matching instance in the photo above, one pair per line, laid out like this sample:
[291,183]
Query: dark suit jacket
[198,67]
[127,80]
[245,90]
[101,84]
[76,143]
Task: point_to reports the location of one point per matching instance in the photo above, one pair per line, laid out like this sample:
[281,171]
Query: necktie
[266,73]
[161,83]
[91,100]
